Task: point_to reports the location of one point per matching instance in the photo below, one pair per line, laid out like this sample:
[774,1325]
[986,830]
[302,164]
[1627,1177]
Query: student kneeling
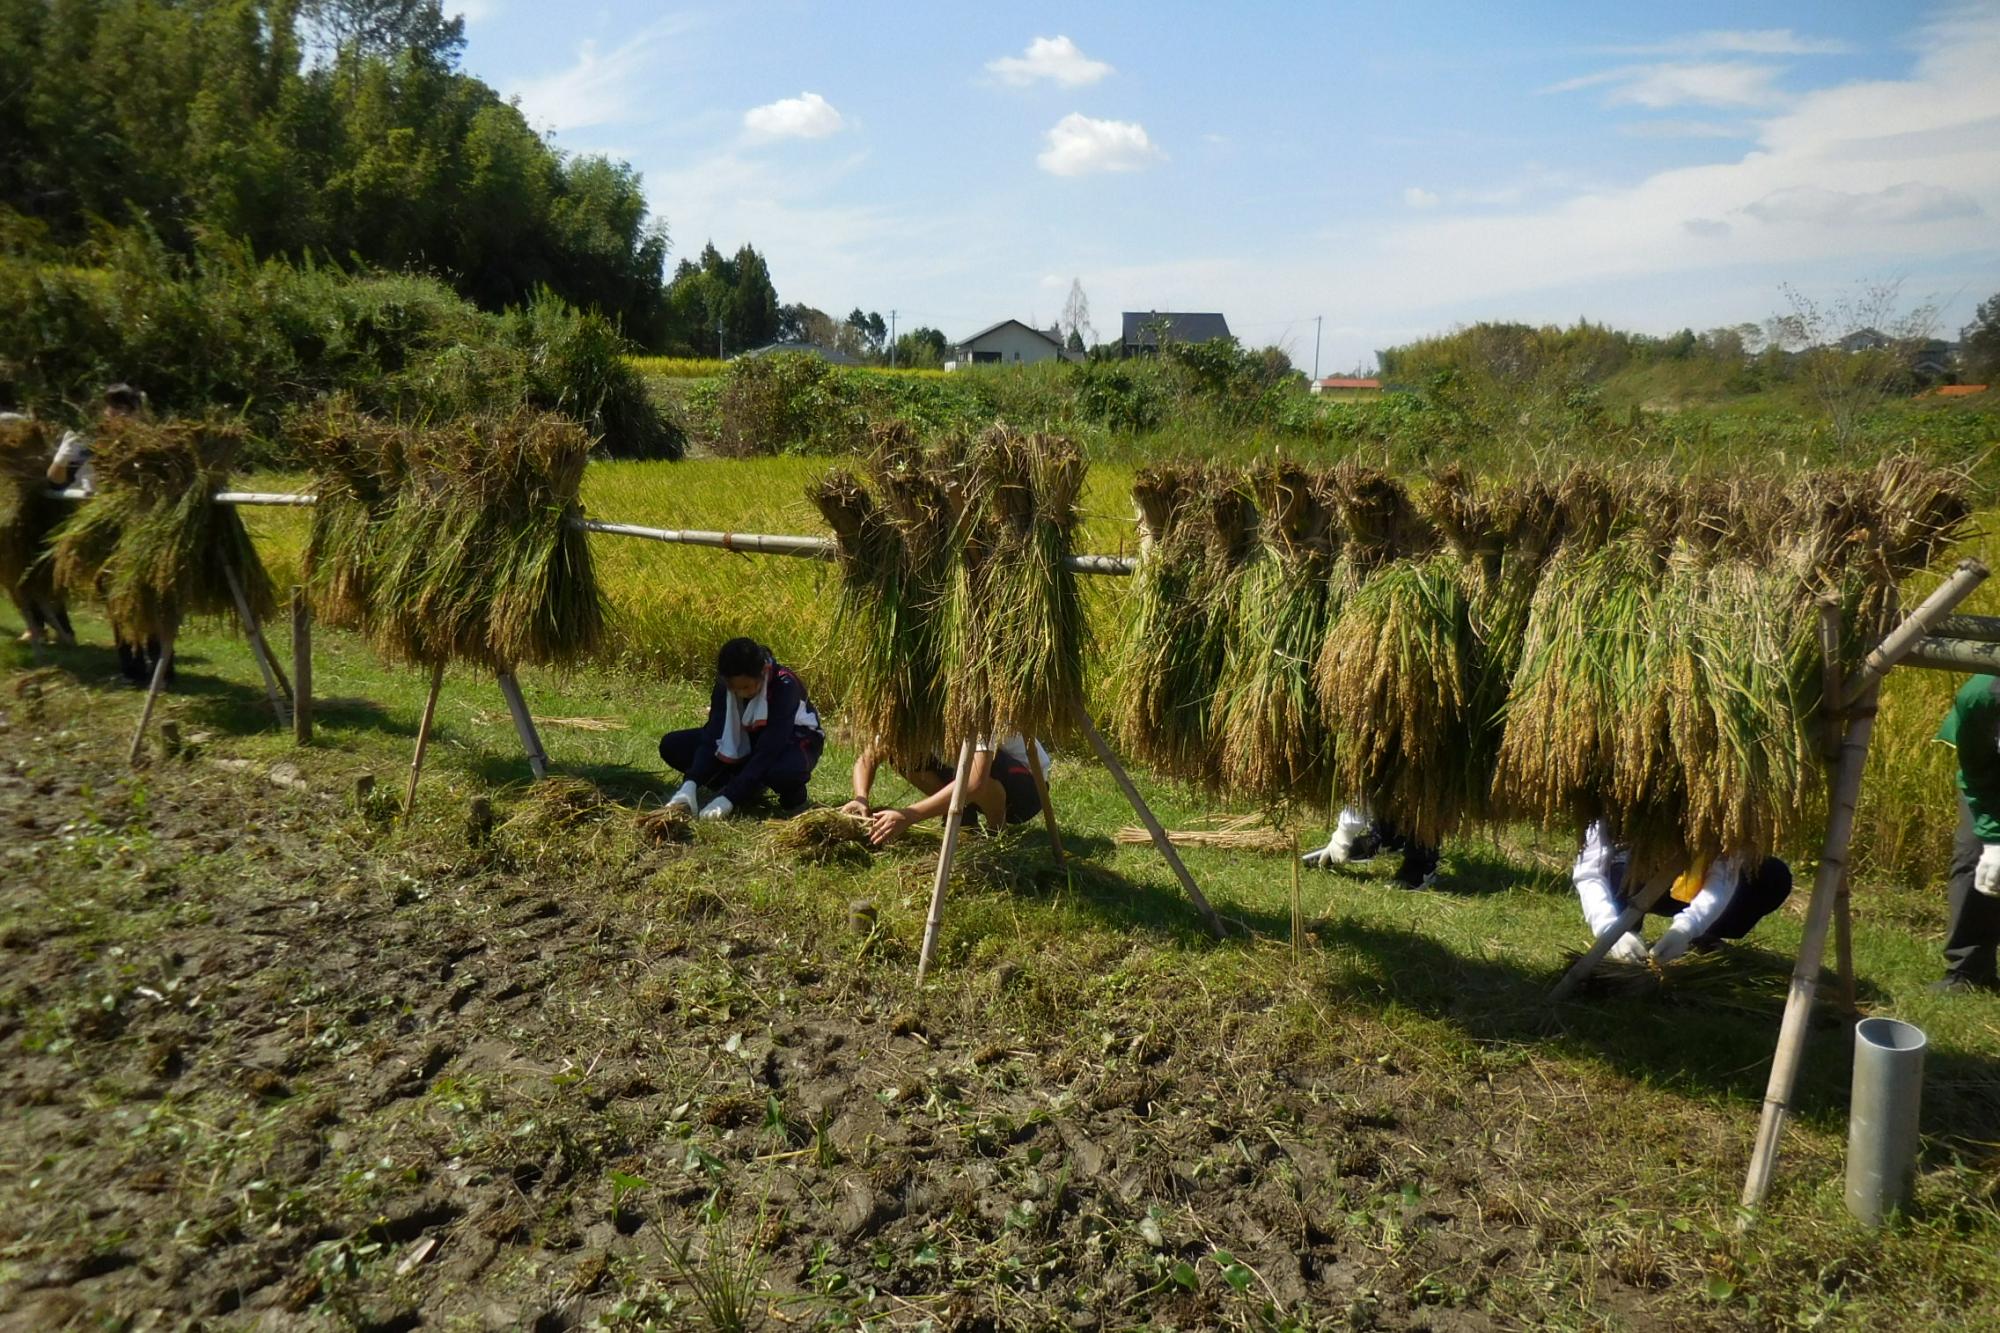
[1720,901]
[998,786]
[761,733]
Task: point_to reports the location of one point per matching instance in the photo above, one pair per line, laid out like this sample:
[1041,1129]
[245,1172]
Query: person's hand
[1334,853]
[1986,875]
[686,798]
[856,807]
[1629,949]
[718,808]
[1672,944]
[885,826]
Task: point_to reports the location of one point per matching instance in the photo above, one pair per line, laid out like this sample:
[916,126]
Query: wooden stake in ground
[258,649]
[1139,808]
[423,739]
[1298,911]
[1859,706]
[1048,807]
[1831,690]
[302,668]
[954,817]
[153,692]
[524,725]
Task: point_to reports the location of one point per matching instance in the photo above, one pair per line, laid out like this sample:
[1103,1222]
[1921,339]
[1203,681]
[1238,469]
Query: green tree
[1979,343]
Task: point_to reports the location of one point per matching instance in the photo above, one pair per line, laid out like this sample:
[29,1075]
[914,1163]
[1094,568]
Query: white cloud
[1706,227]
[1416,196]
[1738,41]
[1054,58]
[1711,83]
[807,116]
[598,89]
[1903,203]
[1686,129]
[1079,145]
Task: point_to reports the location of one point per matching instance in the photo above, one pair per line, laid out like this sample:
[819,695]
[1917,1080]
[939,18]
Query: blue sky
[1395,168]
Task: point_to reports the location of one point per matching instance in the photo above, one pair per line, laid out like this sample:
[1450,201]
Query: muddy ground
[272,1062]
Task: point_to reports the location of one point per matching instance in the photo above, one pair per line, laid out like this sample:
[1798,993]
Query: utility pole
[892,340]
[718,340]
[1316,320]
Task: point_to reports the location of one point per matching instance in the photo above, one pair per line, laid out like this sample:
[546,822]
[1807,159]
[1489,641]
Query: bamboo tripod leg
[524,725]
[258,648]
[1048,807]
[153,692]
[954,818]
[1831,690]
[302,668]
[1145,813]
[1628,920]
[1785,1063]
[423,739]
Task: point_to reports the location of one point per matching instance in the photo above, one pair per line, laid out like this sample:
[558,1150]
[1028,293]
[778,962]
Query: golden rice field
[671,605]
[701,367]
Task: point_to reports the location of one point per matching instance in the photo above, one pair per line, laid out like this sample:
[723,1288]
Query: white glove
[718,808]
[1629,949]
[1333,854]
[1672,944]
[1986,875]
[686,798]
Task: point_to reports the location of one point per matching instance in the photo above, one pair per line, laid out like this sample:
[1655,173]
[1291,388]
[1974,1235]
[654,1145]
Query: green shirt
[1973,728]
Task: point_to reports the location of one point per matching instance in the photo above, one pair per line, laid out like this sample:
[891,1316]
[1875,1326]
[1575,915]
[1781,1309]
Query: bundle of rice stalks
[1273,732]
[664,824]
[28,517]
[1727,979]
[557,806]
[152,542]
[477,559]
[1202,530]
[1232,833]
[1381,523]
[825,837]
[1396,676]
[358,464]
[1017,633]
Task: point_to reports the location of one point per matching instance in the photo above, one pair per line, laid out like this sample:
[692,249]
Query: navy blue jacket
[769,740]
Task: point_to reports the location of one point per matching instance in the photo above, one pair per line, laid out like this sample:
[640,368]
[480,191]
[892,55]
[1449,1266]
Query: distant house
[831,355]
[1143,329]
[1010,342]
[1348,385]
[1934,359]
[1864,340]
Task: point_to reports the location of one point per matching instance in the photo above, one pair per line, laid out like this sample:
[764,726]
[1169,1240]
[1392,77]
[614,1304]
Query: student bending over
[761,734]
[998,785]
[1718,901]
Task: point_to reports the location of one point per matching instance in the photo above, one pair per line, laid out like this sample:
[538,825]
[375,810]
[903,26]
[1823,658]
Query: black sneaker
[1957,983]
[1419,869]
[789,806]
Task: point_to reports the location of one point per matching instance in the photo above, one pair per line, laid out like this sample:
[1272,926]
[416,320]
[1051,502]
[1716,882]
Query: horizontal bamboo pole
[1941,654]
[1969,575]
[1984,629]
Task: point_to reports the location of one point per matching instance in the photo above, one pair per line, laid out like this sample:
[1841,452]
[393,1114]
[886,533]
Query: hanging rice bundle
[358,465]
[152,542]
[1274,738]
[28,517]
[478,560]
[1397,676]
[1199,535]
[1015,633]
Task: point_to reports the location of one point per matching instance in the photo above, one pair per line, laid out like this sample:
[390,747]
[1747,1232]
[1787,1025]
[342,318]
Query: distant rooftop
[1347,382]
[1141,327]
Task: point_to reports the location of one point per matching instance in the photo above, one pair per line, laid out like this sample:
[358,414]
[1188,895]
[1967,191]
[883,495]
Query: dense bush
[259,338]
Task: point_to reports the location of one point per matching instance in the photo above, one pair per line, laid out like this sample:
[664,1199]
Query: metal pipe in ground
[1882,1118]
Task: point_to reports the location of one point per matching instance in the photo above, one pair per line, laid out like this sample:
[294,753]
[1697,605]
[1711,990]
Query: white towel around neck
[739,717]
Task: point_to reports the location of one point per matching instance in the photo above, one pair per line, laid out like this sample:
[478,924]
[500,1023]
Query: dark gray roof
[829,354]
[1182,326]
[1039,333]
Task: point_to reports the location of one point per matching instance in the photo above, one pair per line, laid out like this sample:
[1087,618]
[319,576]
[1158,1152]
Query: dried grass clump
[152,542]
[1273,732]
[28,517]
[1202,528]
[477,559]
[825,837]
[664,824]
[557,806]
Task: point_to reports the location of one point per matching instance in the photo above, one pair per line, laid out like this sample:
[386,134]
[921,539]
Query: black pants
[1024,800]
[41,616]
[1974,929]
[1420,859]
[1761,891]
[692,754]
[137,661]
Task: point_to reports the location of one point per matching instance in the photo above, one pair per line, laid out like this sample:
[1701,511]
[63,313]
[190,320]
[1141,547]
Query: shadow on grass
[1712,1034]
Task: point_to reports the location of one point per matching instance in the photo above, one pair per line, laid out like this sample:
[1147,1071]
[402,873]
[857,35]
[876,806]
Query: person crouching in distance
[1709,902]
[998,785]
[1359,837]
[71,467]
[761,734]
[1972,938]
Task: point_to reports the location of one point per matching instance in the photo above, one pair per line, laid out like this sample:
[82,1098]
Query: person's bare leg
[991,798]
[929,781]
